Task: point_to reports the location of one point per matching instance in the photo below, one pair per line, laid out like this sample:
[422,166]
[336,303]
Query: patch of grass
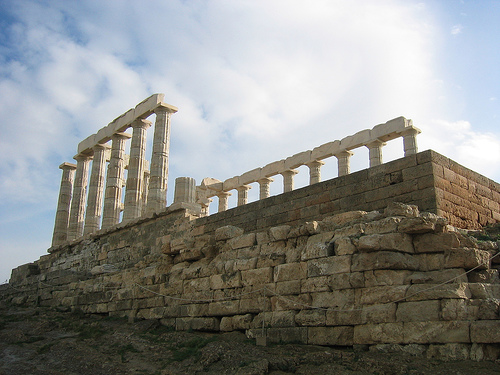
[90,332]
[190,349]
[129,348]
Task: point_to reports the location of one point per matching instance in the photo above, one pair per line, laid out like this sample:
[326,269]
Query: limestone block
[458,309]
[298,302]
[274,168]
[340,299]
[329,266]
[355,230]
[226,324]
[255,304]
[85,146]
[421,311]
[259,276]
[281,319]
[245,240]
[284,288]
[227,232]
[386,225]
[383,333]
[417,225]
[345,217]
[449,352]
[338,336]
[420,292]
[290,271]
[315,284]
[241,322]
[297,160]
[271,260]
[318,246]
[388,260]
[344,246]
[430,262]
[432,243]
[146,107]
[386,277]
[382,294]
[484,276]
[196,285]
[339,281]
[379,313]
[194,309]
[484,291]
[245,264]
[197,324]
[451,275]
[401,209]
[389,241]
[325,150]
[344,317]
[359,139]
[315,318]
[223,308]
[485,331]
[251,176]
[231,183]
[467,258]
[224,281]
[279,233]
[436,332]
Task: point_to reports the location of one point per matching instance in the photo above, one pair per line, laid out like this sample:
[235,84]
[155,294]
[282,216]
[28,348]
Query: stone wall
[306,266]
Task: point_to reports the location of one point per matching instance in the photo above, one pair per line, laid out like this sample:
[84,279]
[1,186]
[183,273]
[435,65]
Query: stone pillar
[157,195]
[96,190]
[185,190]
[144,195]
[78,203]
[288,179]
[135,179]
[114,181]
[344,162]
[62,214]
[205,206]
[265,188]
[375,152]
[410,141]
[315,171]
[243,194]
[223,196]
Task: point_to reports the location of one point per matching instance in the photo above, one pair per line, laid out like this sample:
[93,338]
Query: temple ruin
[385,257]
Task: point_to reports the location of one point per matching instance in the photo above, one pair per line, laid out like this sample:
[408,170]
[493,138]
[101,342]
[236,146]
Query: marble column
[288,179]
[410,141]
[114,181]
[344,162]
[375,152]
[185,190]
[135,178]
[265,187]
[62,215]
[79,199]
[96,189]
[315,171]
[243,194]
[157,194]
[223,196]
[145,186]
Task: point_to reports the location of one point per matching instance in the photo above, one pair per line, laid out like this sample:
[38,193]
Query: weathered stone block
[227,232]
[381,313]
[388,260]
[436,332]
[485,331]
[288,287]
[318,246]
[296,302]
[315,284]
[255,304]
[451,275]
[382,294]
[245,240]
[329,266]
[419,292]
[401,209]
[344,317]
[338,336]
[387,225]
[197,324]
[386,277]
[435,243]
[467,258]
[418,311]
[281,319]
[344,246]
[224,281]
[484,291]
[430,262]
[290,271]
[390,241]
[258,276]
[383,333]
[223,308]
[279,233]
[484,276]
[449,352]
[335,299]
[315,318]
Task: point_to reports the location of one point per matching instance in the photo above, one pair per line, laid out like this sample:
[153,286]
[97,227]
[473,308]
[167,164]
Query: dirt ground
[36,341]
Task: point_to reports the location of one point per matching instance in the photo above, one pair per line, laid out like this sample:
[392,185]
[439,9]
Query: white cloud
[456,29]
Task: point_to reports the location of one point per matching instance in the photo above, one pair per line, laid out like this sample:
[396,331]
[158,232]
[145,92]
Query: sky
[255,81]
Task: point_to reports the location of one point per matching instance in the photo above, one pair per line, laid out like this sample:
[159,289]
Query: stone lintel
[298,160]
[251,176]
[231,183]
[66,165]
[273,169]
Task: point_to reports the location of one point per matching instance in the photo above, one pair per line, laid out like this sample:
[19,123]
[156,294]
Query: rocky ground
[42,341]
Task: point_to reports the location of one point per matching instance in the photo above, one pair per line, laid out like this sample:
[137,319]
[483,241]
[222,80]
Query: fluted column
[375,152]
[144,195]
[114,181]
[410,141]
[79,200]
[243,194]
[135,179]
[265,187]
[288,179]
[96,189]
[344,165]
[62,214]
[223,196]
[315,171]
[157,194]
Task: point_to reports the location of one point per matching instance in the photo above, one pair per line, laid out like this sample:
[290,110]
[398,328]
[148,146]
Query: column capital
[344,153]
[289,172]
[411,131]
[101,146]
[121,135]
[265,180]
[223,194]
[375,143]
[141,123]
[163,107]
[68,166]
[243,188]
[82,157]
[315,163]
